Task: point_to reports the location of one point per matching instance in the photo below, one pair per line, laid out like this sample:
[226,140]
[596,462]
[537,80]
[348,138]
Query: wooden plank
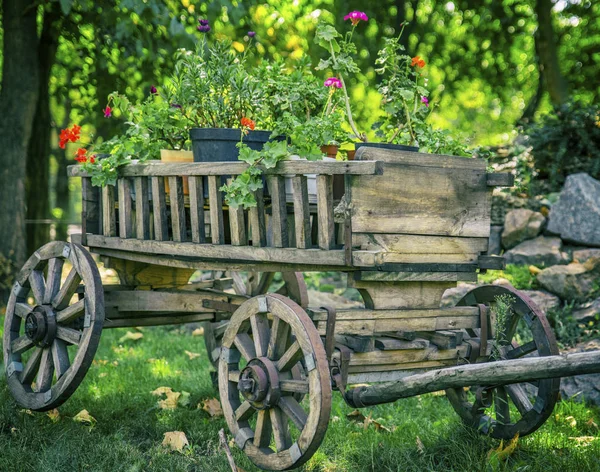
[378,357]
[301,211]
[325,211]
[500,179]
[142,208]
[157,320]
[291,167]
[177,209]
[416,276]
[109,217]
[385,343]
[356,343]
[159,209]
[196,186]
[364,369]
[90,208]
[418,159]
[161,301]
[237,226]
[367,314]
[279,234]
[256,216]
[443,339]
[215,197]
[395,295]
[125,214]
[424,195]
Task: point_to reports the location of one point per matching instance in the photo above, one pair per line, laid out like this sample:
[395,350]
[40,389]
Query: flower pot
[350,154]
[170,155]
[396,147]
[330,149]
[220,144]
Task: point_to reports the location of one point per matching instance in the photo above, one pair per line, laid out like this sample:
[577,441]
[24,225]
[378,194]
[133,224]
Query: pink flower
[153,90]
[333,82]
[355,16]
[107,112]
[425,100]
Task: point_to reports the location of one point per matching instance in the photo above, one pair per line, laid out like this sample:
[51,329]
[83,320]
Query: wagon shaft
[490,373]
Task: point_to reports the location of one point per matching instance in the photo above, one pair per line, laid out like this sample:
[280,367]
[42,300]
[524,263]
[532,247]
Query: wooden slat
[125,214]
[159,209]
[301,211]
[366,314]
[142,208]
[215,197]
[177,209]
[156,301]
[237,226]
[197,209]
[291,167]
[279,236]
[256,215]
[325,211]
[158,320]
[378,357]
[109,218]
[90,208]
[416,276]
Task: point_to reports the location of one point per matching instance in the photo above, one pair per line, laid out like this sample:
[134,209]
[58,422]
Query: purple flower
[425,100]
[251,34]
[153,90]
[333,82]
[175,105]
[203,22]
[355,16]
[204,28]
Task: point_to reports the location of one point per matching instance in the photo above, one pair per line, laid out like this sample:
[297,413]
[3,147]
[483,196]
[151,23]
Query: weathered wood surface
[142,208]
[196,188]
[382,295]
[159,209]
[295,167]
[490,373]
[301,212]
[279,232]
[378,357]
[91,209]
[215,197]
[386,343]
[325,211]
[140,274]
[171,319]
[381,276]
[500,179]
[159,301]
[256,217]
[369,314]
[125,214]
[422,194]
[177,209]
[109,217]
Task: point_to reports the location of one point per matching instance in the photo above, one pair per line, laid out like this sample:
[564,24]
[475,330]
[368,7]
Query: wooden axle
[491,373]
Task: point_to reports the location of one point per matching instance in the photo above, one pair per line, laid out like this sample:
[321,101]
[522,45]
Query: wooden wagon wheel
[504,411]
[51,335]
[252,284]
[267,336]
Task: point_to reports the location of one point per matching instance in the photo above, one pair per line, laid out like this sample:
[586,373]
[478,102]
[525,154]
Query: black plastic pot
[220,144]
[396,147]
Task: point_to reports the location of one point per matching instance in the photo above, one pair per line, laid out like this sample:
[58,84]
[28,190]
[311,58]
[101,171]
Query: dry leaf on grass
[27,412]
[212,407]
[420,446]
[175,440]
[357,417]
[130,336]
[84,417]
[192,355]
[502,453]
[198,332]
[591,423]
[172,399]
[584,440]
[54,415]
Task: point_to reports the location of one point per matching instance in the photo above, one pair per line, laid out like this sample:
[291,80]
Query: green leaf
[326,32]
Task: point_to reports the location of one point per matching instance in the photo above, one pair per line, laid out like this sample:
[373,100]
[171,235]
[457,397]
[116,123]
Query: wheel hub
[40,325]
[259,383]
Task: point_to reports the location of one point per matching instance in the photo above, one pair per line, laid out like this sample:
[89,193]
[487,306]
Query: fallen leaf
[585,440]
[27,412]
[175,440]
[13,430]
[533,270]
[571,421]
[198,332]
[212,407]
[84,417]
[192,355]
[356,416]
[161,390]
[502,453]
[54,415]
[591,423]
[130,336]
[420,446]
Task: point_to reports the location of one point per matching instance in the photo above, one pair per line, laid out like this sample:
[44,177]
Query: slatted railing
[140,212]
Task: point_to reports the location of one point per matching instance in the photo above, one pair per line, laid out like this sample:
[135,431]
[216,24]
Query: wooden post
[256,216]
[325,211]
[109,219]
[301,211]
[215,198]
[159,208]
[279,211]
[197,209]
[142,208]
[177,209]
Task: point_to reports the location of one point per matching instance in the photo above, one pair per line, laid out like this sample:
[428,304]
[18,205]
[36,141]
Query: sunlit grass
[426,434]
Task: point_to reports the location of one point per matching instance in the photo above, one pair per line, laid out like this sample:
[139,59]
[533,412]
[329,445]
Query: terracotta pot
[350,154]
[169,155]
[330,149]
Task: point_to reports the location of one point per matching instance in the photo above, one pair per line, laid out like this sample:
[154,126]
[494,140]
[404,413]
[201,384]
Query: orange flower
[248,123]
[417,61]
[81,155]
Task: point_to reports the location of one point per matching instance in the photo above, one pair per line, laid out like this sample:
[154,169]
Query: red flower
[93,159]
[75,133]
[417,61]
[81,155]
[69,134]
[107,112]
[248,123]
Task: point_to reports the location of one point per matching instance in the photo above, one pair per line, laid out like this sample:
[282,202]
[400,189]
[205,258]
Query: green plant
[565,142]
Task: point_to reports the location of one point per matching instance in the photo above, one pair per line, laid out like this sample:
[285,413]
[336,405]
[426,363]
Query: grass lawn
[426,434]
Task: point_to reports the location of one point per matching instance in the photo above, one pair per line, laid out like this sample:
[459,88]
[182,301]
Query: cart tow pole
[488,373]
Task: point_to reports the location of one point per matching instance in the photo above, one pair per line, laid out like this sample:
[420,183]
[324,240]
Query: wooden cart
[408,227]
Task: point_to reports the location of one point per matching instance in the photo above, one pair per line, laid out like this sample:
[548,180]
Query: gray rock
[576,215]
[582,255]
[495,242]
[541,252]
[453,295]
[545,300]
[587,312]
[571,282]
[520,225]
[583,387]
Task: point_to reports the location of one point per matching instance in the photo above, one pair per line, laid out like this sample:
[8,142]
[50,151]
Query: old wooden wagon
[403,226]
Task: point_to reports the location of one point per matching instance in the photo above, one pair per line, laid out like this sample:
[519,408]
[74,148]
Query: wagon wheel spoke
[245,411]
[290,357]
[263,430]
[245,345]
[261,334]
[294,386]
[293,411]
[519,398]
[280,332]
[46,376]
[501,405]
[281,430]
[521,351]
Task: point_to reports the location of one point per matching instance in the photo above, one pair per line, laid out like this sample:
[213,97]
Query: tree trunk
[547,50]
[18,100]
[37,182]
